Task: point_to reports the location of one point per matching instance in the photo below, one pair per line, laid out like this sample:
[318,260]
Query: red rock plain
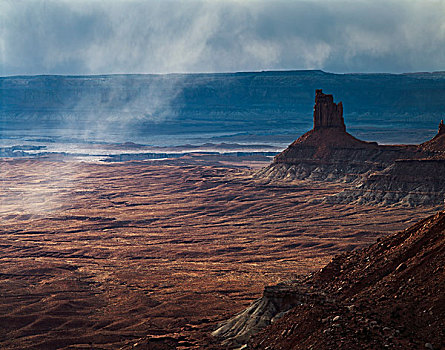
[151,255]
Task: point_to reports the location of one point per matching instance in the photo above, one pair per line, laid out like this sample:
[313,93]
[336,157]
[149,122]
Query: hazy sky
[161,36]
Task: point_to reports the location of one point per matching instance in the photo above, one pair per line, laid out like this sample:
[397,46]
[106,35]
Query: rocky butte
[381,174]
[389,295]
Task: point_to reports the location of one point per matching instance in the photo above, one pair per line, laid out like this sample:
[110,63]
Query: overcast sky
[163,36]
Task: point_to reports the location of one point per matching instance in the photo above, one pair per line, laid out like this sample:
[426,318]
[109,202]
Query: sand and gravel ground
[112,255]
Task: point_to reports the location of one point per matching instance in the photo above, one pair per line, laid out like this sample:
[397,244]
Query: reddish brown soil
[388,296]
[109,256]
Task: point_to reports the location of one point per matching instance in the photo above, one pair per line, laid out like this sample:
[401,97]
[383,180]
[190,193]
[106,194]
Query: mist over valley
[63,113]
[222,174]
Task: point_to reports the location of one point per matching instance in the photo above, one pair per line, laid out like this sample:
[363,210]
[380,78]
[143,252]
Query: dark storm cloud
[153,36]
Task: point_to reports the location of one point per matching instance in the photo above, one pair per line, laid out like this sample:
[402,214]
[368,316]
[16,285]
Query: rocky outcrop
[436,146]
[405,182]
[329,153]
[327,114]
[275,302]
[441,128]
[389,295]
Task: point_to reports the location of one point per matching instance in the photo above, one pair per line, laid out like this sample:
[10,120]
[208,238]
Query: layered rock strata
[408,182]
[329,153]
[273,305]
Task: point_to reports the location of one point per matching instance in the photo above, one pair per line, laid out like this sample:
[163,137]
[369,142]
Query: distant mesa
[329,153]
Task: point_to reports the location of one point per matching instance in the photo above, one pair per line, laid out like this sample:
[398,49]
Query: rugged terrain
[390,295]
[387,296]
[155,255]
[379,174]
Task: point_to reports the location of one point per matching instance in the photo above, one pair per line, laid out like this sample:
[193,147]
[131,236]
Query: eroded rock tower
[327,114]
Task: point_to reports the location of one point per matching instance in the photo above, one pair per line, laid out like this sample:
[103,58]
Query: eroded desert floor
[151,255]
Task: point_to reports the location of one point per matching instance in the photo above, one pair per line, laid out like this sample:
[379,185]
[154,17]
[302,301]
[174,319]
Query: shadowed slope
[390,295]
[437,143]
[408,182]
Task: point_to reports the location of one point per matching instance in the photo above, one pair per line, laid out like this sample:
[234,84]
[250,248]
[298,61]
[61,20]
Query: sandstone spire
[441,128]
[327,114]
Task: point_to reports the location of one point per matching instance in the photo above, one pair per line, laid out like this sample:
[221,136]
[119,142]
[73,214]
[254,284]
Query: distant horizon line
[221,73]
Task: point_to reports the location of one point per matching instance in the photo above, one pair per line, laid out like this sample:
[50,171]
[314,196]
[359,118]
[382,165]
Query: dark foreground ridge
[380,174]
[388,296]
